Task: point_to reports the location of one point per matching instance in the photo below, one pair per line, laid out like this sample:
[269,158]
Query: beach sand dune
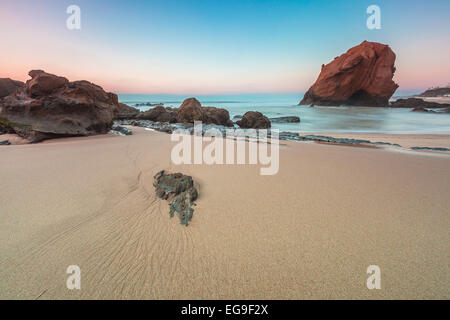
[310,231]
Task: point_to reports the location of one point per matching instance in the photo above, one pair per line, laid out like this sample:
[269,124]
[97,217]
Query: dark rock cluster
[417,103]
[121,130]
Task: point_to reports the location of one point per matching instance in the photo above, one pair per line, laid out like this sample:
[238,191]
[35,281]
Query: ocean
[316,119]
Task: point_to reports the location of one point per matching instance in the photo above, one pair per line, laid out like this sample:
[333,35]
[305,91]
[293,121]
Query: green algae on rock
[179,190]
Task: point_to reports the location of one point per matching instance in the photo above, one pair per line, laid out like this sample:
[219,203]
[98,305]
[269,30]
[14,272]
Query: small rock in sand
[179,190]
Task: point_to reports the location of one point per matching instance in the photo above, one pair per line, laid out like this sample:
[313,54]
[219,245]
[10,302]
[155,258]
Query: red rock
[361,76]
[254,120]
[190,111]
[49,106]
[8,86]
[43,83]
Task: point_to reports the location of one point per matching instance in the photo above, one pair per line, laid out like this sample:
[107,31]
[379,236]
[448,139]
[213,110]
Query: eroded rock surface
[49,106]
[362,76]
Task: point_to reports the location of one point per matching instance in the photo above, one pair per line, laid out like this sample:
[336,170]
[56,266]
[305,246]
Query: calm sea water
[316,119]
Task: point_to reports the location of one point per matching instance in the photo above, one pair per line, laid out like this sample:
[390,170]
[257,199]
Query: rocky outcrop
[362,76]
[191,110]
[219,116]
[289,119]
[254,120]
[48,106]
[436,92]
[417,103]
[124,112]
[179,190]
[8,86]
[160,114]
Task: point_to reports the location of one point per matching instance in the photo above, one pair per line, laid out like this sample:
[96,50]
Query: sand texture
[308,232]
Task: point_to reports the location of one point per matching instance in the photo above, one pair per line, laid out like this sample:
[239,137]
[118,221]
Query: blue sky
[226,46]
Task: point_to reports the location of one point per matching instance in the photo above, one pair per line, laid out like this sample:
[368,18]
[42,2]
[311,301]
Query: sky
[218,46]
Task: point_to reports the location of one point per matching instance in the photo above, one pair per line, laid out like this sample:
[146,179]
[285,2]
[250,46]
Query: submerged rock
[289,119]
[362,76]
[254,120]
[430,149]
[417,103]
[179,190]
[423,110]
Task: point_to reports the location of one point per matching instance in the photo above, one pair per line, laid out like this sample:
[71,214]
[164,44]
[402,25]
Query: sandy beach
[308,232]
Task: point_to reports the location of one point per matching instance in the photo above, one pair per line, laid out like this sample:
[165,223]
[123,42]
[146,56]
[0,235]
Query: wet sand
[310,231]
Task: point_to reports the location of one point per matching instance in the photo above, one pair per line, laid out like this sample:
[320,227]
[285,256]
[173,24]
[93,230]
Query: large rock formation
[8,86]
[254,120]
[362,76]
[49,106]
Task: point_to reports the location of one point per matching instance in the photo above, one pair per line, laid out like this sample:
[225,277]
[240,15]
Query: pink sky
[174,63]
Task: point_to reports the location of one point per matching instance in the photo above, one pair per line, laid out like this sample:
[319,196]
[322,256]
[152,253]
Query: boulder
[48,106]
[8,86]
[254,120]
[219,116]
[362,76]
[190,111]
[423,110]
[160,114]
[124,112]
